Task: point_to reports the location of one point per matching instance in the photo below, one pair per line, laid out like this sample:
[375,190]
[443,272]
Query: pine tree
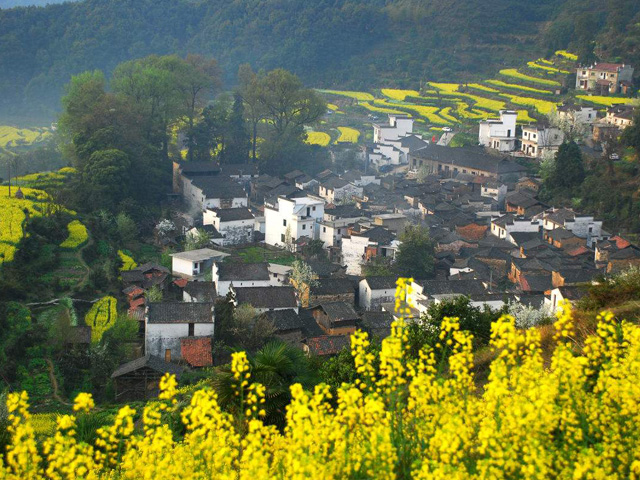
[569,169]
[238,140]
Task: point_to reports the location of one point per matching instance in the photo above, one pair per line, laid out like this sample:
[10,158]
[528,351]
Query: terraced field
[529,89]
[318,138]
[16,137]
[348,135]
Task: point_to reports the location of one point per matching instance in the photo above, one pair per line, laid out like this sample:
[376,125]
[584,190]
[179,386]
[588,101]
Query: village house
[197,352]
[240,274]
[502,227]
[330,290]
[606,246]
[499,134]
[166,323]
[604,78]
[620,115]
[195,264]
[563,238]
[395,222]
[399,126]
[569,293]
[337,189]
[288,219]
[240,172]
[577,113]
[336,318]
[495,190]
[377,324]
[423,292]
[374,291]
[139,379]
[537,140]
[202,193]
[287,324]
[447,162]
[306,182]
[362,245]
[202,292]
[326,345]
[279,274]
[360,179]
[583,226]
[623,259]
[332,231]
[523,204]
[264,299]
[186,171]
[235,225]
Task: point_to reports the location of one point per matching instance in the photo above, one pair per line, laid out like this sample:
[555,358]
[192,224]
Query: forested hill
[345,43]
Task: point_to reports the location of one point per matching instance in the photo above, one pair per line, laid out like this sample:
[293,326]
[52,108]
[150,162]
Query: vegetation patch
[45,180]
[516,86]
[16,137]
[78,235]
[360,96]
[513,73]
[604,101]
[567,55]
[546,68]
[348,135]
[318,138]
[128,263]
[396,94]
[101,317]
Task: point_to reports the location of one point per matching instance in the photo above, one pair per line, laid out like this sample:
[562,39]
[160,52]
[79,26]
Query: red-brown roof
[138,302]
[620,242]
[197,351]
[327,345]
[578,251]
[608,67]
[472,232]
[181,282]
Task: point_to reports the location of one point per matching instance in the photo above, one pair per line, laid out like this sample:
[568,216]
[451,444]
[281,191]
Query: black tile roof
[180,312]
[328,345]
[267,297]
[381,283]
[380,235]
[202,291]
[376,320]
[219,187]
[339,311]
[230,271]
[333,286]
[199,167]
[154,363]
[459,287]
[284,320]
[233,214]
[463,157]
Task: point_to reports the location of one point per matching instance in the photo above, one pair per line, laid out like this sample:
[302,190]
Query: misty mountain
[28,3]
[330,43]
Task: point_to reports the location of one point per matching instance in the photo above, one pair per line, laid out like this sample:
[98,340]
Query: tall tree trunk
[254,140]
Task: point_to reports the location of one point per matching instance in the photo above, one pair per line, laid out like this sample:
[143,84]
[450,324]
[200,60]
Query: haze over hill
[28,3]
[345,43]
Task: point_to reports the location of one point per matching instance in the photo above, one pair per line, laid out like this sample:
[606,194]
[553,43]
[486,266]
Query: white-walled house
[582,226]
[214,192]
[499,134]
[360,179]
[374,291]
[240,274]
[502,227]
[166,323]
[359,247]
[495,190]
[291,218]
[279,274]
[337,189]
[236,225]
[195,264]
[399,126]
[537,140]
[578,113]
[332,231]
[265,299]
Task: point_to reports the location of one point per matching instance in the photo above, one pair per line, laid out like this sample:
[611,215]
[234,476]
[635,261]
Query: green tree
[415,256]
[199,239]
[107,174]
[206,139]
[238,142]
[249,330]
[127,228]
[631,135]
[568,172]
[250,92]
[277,366]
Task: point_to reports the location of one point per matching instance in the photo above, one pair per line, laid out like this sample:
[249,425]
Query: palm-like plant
[277,366]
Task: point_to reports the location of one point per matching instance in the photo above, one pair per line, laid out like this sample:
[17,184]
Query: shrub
[128,263]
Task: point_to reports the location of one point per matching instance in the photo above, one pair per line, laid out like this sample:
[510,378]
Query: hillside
[344,43]
[28,3]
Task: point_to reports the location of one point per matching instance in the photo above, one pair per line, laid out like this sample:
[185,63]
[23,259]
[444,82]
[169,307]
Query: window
[304,226]
[282,238]
[275,275]
[167,355]
[284,222]
[308,211]
[314,209]
[324,229]
[192,329]
[338,231]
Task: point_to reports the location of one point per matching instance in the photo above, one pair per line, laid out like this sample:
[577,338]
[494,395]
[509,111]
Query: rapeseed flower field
[101,317]
[513,73]
[576,416]
[78,235]
[348,135]
[318,138]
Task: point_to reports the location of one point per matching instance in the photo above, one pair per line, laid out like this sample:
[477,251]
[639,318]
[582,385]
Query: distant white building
[195,264]
[239,274]
[291,218]
[537,140]
[499,134]
[505,225]
[399,126]
[236,225]
[582,226]
[213,192]
[578,113]
[337,189]
[374,291]
[360,247]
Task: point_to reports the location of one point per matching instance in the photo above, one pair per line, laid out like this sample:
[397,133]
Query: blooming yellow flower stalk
[575,416]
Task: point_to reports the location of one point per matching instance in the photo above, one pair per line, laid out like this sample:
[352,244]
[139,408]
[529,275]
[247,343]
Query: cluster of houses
[495,243]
